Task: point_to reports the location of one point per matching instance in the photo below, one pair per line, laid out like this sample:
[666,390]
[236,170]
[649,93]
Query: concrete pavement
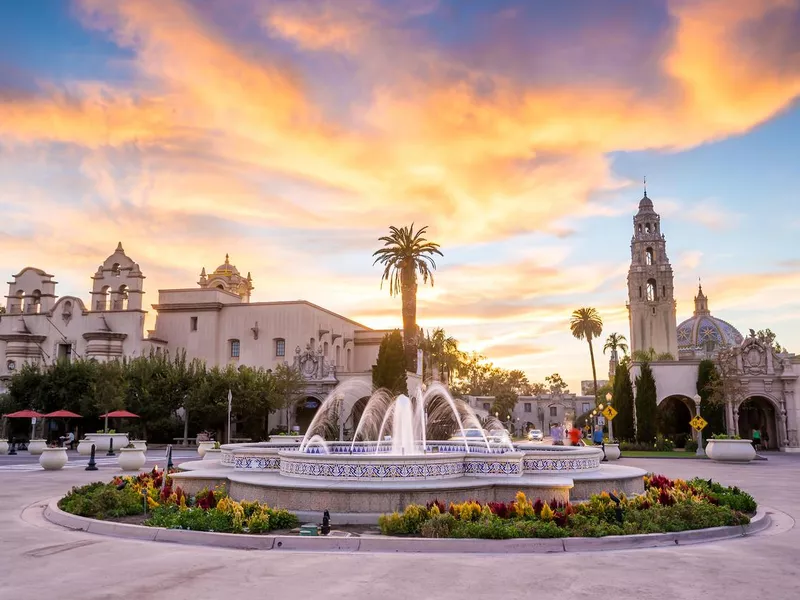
[40,560]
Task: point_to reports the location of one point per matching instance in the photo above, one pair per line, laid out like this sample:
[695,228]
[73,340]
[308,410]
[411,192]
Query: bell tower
[651,301]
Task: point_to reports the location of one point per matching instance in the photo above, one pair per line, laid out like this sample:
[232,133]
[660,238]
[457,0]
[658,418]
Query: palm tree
[616,342]
[587,324]
[404,255]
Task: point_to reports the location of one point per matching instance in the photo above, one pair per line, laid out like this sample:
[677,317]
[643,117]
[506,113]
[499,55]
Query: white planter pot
[140,444]
[3,446]
[730,450]
[85,447]
[286,439]
[203,446]
[35,447]
[103,440]
[52,459]
[612,452]
[131,459]
[213,454]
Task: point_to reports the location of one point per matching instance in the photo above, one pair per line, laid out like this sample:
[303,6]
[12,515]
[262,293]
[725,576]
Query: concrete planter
[139,445]
[612,452]
[53,459]
[213,454]
[203,446]
[35,447]
[3,446]
[131,459]
[103,440]
[730,450]
[85,447]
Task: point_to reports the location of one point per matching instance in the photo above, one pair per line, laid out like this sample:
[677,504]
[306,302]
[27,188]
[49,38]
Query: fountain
[403,450]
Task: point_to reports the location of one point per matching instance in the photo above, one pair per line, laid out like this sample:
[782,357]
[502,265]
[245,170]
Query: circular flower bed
[162,505]
[666,506]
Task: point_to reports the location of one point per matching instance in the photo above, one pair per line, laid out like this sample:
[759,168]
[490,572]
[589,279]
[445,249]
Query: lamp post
[610,430]
[700,452]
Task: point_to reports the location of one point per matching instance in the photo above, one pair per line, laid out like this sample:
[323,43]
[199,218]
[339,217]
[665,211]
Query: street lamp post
[700,451]
[610,429]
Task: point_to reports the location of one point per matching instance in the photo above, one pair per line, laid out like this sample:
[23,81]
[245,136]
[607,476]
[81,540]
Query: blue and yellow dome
[704,331]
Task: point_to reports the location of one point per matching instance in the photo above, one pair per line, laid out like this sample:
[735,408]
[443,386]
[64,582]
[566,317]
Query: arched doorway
[674,414]
[304,412]
[758,412]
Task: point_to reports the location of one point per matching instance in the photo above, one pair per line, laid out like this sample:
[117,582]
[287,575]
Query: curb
[242,541]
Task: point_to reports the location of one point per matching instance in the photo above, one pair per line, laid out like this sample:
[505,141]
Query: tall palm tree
[405,255]
[586,324]
[616,342]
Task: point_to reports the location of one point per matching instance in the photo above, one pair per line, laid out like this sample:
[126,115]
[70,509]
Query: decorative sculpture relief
[312,364]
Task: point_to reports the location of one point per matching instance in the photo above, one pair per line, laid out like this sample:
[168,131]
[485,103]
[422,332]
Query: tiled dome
[705,331]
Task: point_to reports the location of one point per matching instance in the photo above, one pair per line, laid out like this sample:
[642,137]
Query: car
[499,435]
[470,433]
[535,435]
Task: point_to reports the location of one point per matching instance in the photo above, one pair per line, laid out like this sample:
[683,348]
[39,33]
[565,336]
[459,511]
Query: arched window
[347,366]
[640,228]
[20,305]
[640,292]
[102,303]
[115,270]
[35,303]
[325,349]
[663,291]
[651,290]
[280,347]
[121,302]
[648,256]
[647,227]
[219,286]
[338,356]
[235,348]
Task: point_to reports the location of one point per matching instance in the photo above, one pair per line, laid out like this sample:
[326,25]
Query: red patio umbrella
[24,414]
[119,414]
[62,414]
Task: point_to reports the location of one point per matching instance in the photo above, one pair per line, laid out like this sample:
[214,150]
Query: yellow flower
[547,513]
[152,503]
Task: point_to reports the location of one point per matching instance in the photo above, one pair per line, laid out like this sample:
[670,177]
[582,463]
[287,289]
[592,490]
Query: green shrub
[438,526]
[102,501]
[731,497]
[691,446]
[663,444]
[392,524]
[280,518]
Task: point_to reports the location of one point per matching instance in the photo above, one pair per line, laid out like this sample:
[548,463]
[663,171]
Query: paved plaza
[40,560]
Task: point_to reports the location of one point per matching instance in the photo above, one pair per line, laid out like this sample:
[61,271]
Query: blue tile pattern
[492,467]
[257,463]
[361,471]
[539,465]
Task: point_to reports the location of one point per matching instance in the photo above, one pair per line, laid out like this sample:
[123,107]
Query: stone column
[729,426]
[790,416]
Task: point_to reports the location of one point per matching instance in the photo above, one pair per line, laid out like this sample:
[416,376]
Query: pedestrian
[575,436]
[757,438]
[597,437]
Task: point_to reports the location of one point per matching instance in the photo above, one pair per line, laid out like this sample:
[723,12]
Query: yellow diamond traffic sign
[609,412]
[698,423]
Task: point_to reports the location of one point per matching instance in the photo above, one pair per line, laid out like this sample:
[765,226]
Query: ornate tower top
[227,277]
[700,302]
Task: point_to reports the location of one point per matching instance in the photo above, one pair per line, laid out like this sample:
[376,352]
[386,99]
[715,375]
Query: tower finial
[227,259]
[645,186]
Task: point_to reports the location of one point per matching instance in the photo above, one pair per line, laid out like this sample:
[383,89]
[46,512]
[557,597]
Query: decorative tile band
[559,465]
[493,467]
[405,471]
[257,463]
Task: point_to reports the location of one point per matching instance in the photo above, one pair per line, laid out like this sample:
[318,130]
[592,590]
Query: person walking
[597,437]
[575,436]
[757,438]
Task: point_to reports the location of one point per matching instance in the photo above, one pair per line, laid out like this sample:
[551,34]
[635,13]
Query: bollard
[326,523]
[12,447]
[169,458]
[92,465]
[110,447]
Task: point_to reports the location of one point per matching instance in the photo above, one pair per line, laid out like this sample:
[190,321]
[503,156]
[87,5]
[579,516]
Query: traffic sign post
[609,412]
[698,423]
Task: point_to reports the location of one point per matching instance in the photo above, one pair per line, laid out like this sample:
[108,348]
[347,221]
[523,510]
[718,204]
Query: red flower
[538,506]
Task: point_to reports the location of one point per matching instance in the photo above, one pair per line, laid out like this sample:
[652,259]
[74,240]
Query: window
[115,270]
[527,407]
[585,407]
[486,406]
[347,366]
[647,227]
[36,302]
[651,290]
[648,256]
[553,411]
[640,292]
[64,352]
[640,229]
[325,350]
[121,301]
[235,348]
[338,356]
[280,347]
[192,323]
[663,291]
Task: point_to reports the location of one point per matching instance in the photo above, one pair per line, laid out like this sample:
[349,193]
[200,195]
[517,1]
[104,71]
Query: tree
[768,337]
[504,403]
[645,356]
[556,386]
[108,388]
[724,384]
[289,386]
[646,405]
[623,402]
[405,255]
[586,324]
[616,342]
[390,369]
[711,409]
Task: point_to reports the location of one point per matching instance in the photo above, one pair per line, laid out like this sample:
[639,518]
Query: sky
[291,134]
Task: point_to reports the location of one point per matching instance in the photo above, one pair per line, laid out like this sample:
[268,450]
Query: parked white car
[535,435]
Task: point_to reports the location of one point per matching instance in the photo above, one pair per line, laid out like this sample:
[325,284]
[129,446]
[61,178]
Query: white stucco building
[214,321]
[767,382]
